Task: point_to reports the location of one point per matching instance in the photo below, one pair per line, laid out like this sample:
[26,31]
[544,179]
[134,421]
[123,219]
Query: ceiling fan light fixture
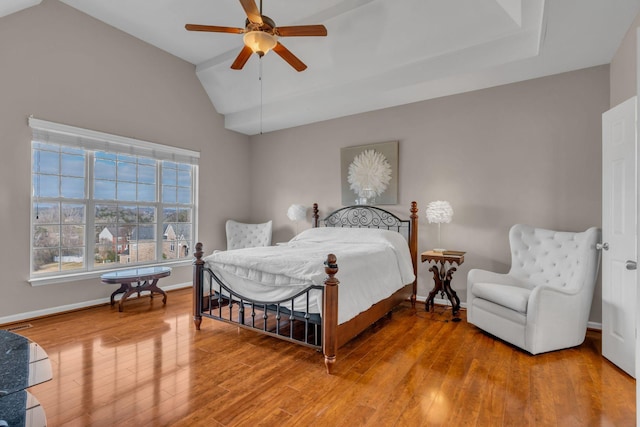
[260,42]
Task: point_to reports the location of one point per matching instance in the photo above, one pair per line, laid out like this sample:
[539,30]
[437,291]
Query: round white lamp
[297,213]
[438,212]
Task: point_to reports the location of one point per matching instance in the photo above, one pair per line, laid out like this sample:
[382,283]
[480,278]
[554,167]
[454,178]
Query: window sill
[74,277]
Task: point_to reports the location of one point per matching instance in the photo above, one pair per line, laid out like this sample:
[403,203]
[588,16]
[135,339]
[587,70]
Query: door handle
[631,265]
[602,246]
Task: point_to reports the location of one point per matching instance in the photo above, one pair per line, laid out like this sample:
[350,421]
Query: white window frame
[91,141]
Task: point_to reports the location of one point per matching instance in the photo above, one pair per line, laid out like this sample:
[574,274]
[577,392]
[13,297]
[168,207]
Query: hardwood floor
[149,366]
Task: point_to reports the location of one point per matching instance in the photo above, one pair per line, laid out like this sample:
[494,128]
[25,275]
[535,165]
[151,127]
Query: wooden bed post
[413,248]
[330,314]
[315,218]
[198,278]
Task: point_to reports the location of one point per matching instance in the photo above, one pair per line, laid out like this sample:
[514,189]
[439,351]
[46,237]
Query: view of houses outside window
[99,209]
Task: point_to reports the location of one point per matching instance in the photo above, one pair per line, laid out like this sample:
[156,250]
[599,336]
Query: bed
[292,290]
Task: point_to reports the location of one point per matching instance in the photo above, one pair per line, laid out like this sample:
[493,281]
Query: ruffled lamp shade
[297,213]
[438,212]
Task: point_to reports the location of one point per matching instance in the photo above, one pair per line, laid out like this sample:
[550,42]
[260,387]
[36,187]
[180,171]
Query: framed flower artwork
[369,174]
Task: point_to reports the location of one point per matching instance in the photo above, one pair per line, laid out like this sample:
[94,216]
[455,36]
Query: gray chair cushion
[512,297]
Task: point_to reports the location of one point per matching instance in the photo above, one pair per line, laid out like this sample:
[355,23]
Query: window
[100,201]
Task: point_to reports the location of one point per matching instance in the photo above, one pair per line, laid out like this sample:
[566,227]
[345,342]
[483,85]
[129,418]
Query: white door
[619,235]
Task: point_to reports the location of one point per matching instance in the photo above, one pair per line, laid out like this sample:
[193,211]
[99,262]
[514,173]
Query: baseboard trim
[72,307]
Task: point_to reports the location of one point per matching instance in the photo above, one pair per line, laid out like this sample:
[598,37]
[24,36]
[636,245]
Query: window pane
[146,215]
[104,254]
[72,235]
[168,194]
[47,162]
[127,191]
[127,214]
[169,215]
[106,213]
[44,260]
[183,231]
[184,178]
[169,176]
[46,213]
[144,232]
[126,172]
[72,213]
[72,188]
[106,234]
[184,195]
[73,165]
[72,258]
[46,236]
[47,186]
[104,169]
[147,174]
[104,190]
[184,215]
[146,193]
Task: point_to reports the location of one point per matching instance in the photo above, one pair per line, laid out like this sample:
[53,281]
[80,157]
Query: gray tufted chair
[241,235]
[543,303]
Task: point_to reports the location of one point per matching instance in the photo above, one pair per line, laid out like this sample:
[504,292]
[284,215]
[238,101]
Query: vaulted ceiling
[378,53]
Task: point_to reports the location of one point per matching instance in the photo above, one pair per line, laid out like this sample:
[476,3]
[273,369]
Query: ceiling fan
[261,35]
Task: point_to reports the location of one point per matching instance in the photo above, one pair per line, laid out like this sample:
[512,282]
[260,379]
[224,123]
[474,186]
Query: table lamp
[297,213]
[439,211]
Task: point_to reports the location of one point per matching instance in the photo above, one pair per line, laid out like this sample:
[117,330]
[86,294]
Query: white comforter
[372,264]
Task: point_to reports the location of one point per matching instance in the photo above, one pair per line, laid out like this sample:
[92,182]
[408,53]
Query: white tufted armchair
[241,235]
[543,303]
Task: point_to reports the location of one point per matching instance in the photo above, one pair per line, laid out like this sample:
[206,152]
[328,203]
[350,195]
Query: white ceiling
[378,53]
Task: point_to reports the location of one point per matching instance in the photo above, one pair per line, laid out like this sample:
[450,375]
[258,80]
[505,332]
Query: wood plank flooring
[149,366]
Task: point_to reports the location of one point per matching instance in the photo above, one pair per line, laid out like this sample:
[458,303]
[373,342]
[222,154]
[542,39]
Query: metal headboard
[365,216]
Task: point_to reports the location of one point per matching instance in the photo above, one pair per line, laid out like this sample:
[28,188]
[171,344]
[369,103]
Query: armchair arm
[556,318]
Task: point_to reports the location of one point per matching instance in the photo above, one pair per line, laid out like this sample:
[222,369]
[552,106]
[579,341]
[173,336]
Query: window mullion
[159,212]
[90,242]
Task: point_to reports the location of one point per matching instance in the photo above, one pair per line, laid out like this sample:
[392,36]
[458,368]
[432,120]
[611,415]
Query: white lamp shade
[439,211]
[297,212]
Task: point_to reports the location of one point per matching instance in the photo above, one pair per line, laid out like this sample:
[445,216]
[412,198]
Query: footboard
[284,319]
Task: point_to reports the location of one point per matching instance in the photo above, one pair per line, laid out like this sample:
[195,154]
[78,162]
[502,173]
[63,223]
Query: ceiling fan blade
[301,31]
[214,29]
[252,11]
[289,57]
[242,58]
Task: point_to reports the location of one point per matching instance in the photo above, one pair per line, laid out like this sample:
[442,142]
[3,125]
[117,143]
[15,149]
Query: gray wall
[527,152]
[624,67]
[61,65]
